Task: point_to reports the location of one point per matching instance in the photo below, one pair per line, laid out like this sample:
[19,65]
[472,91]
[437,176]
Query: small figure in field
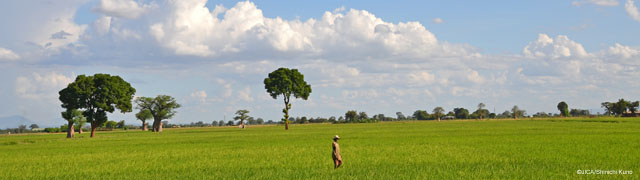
[337,158]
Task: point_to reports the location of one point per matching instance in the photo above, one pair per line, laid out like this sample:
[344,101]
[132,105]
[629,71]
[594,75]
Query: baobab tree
[480,110]
[143,116]
[516,112]
[242,115]
[161,107]
[72,116]
[438,111]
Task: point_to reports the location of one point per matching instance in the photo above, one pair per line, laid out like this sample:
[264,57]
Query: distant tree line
[621,108]
[88,99]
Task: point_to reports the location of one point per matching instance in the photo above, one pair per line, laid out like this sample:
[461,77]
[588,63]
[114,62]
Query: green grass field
[494,149]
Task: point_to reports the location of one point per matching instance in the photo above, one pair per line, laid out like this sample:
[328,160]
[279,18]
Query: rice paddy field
[488,149]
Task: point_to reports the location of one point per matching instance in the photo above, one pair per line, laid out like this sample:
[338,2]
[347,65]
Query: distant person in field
[337,158]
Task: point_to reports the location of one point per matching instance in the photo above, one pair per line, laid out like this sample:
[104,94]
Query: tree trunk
[242,124]
[80,130]
[157,126]
[70,131]
[287,106]
[144,126]
[154,126]
[93,129]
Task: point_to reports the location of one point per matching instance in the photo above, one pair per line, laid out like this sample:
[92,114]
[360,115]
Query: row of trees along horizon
[89,98]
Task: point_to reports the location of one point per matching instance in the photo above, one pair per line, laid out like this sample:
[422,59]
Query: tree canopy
[620,107]
[363,116]
[481,111]
[72,116]
[438,111]
[350,116]
[97,95]
[143,116]
[420,115]
[400,116]
[517,112]
[563,108]
[242,115]
[461,113]
[161,107]
[287,82]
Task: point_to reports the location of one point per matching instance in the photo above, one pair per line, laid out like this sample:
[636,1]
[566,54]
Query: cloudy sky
[373,56]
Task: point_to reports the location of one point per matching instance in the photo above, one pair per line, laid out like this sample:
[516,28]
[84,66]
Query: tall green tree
[400,116]
[608,108]
[121,124]
[564,109]
[143,116]
[480,111]
[616,108]
[350,116]
[242,115]
[438,111]
[633,107]
[97,95]
[161,107]
[287,82]
[72,116]
[517,112]
[420,115]
[363,116]
[579,112]
[111,124]
[461,113]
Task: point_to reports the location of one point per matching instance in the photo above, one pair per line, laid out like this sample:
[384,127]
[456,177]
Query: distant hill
[14,121]
[17,120]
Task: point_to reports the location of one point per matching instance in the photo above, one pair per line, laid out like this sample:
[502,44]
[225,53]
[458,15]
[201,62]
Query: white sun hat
[336,137]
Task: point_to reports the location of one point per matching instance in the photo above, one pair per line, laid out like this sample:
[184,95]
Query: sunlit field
[490,149]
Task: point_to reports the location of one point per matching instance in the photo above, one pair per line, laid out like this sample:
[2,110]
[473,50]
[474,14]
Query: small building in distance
[630,114]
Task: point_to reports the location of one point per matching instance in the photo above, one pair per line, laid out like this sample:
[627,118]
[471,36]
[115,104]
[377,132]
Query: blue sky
[373,56]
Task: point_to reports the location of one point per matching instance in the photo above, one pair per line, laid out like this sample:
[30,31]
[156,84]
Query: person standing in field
[337,158]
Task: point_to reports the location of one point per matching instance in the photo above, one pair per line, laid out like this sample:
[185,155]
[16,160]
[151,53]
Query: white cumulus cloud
[245,95]
[39,28]
[102,25]
[624,52]
[632,10]
[121,8]
[6,54]
[41,86]
[201,96]
[190,28]
[597,2]
[559,47]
